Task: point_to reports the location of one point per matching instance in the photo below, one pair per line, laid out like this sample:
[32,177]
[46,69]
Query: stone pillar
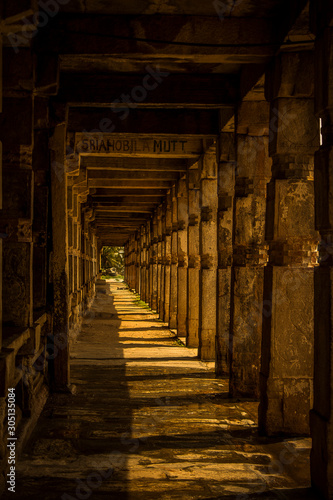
[167,235]
[163,263]
[149,262]
[226,157]
[321,417]
[71,243]
[153,263]
[250,252]
[208,252]
[286,376]
[126,262]
[129,257]
[147,299]
[16,219]
[182,215]
[159,257]
[133,261]
[40,164]
[193,276]
[174,263]
[143,263]
[138,262]
[60,256]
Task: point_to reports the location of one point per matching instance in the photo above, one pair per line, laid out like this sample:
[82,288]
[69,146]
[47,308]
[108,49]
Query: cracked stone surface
[149,420]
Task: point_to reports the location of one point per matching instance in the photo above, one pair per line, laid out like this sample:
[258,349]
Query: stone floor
[148,420]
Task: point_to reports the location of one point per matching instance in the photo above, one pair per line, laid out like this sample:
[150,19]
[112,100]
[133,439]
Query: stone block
[294,210]
[253,161]
[297,403]
[287,350]
[246,329]
[226,151]
[292,327]
[291,75]
[253,118]
[294,127]
[17,301]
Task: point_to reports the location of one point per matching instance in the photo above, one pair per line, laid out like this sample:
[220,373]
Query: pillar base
[192,339]
[207,345]
[285,407]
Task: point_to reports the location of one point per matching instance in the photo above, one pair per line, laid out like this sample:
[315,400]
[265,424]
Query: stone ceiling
[160,69]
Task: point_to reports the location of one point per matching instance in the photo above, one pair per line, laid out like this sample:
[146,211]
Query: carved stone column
[226,189]
[60,255]
[208,252]
[193,272]
[163,262]
[147,273]
[138,262]
[40,164]
[182,210]
[159,258]
[167,235]
[153,263]
[16,219]
[149,263]
[174,263]
[287,348]
[126,262]
[250,251]
[143,289]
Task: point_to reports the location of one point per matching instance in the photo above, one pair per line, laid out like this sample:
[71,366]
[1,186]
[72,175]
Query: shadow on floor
[144,427]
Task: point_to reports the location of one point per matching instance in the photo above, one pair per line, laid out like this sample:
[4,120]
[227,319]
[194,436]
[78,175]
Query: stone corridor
[148,420]
[195,140]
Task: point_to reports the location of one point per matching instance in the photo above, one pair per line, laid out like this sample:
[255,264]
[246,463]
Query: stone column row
[239,245]
[179,257]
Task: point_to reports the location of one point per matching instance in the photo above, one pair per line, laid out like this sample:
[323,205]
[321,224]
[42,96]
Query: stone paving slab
[149,420]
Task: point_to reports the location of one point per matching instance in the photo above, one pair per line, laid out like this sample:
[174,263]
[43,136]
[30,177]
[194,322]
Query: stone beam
[148,121]
[118,200]
[119,215]
[139,145]
[129,164]
[211,90]
[125,208]
[123,184]
[137,175]
[120,193]
[113,35]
